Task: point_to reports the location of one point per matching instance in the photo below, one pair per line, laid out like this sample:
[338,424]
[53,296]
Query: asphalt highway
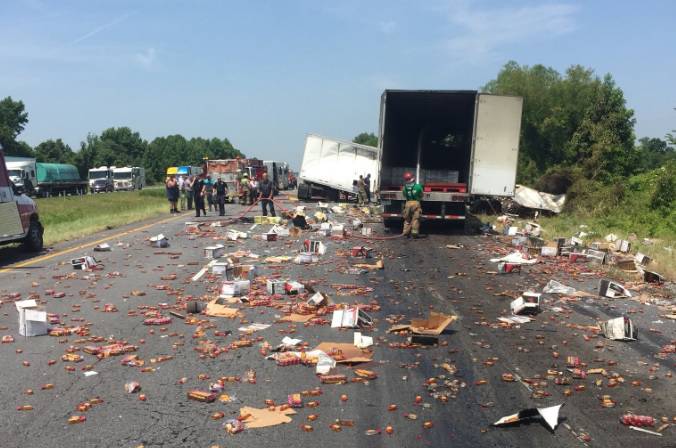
[419,276]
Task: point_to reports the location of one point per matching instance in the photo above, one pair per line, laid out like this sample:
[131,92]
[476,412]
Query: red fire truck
[231,170]
[19,220]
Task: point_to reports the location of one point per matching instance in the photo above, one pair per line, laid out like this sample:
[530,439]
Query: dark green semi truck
[45,179]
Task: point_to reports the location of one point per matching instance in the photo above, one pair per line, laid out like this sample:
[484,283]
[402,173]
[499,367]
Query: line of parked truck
[49,179]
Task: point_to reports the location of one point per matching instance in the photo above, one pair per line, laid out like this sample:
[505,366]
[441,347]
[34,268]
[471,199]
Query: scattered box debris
[619,329]
[85,263]
[215,251]
[434,325]
[612,290]
[550,415]
[32,318]
[159,241]
[350,318]
[528,303]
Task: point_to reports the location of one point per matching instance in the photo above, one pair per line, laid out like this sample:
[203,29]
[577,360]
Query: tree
[86,156]
[366,138]
[653,153]
[121,147]
[13,119]
[164,152]
[603,144]
[54,151]
[576,120]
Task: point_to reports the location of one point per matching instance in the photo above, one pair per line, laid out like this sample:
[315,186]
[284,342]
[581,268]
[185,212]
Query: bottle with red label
[637,420]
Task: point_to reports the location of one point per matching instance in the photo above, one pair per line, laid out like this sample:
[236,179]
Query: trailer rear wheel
[304,191]
[33,240]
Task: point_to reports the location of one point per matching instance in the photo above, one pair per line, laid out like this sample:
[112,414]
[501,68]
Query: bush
[664,196]
[556,180]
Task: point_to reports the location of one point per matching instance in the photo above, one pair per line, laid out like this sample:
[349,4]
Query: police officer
[413,194]
[221,191]
[198,195]
[367,184]
[266,191]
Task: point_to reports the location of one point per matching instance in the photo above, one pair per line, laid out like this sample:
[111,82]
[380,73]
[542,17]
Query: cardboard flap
[551,415]
[435,324]
[22,304]
[215,310]
[350,353]
[261,418]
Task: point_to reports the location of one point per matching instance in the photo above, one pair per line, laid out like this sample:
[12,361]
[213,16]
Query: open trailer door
[495,154]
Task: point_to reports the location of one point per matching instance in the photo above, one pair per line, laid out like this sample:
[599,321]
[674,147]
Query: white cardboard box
[215,251]
[528,303]
[275,286]
[235,288]
[32,320]
[350,318]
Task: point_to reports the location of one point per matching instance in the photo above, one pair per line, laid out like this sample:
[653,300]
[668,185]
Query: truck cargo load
[456,143]
[331,167]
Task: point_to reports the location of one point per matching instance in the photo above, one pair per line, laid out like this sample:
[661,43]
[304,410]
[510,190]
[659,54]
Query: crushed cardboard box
[345,353]
[434,325]
[262,418]
[619,329]
[216,308]
[550,415]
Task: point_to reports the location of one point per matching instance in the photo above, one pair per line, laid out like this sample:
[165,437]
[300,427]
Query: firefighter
[245,190]
[413,194]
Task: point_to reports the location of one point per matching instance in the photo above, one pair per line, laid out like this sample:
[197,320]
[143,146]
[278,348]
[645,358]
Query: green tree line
[113,147]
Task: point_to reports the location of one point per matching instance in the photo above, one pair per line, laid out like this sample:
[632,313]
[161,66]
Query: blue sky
[265,73]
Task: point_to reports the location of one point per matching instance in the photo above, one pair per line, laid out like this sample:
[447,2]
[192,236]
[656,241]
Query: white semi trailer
[331,167]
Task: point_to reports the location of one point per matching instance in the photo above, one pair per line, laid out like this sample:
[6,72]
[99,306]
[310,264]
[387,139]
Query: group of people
[202,191]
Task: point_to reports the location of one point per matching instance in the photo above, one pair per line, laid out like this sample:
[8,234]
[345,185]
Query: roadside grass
[67,218]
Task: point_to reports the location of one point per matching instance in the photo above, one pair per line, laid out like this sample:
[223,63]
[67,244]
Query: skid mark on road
[58,253]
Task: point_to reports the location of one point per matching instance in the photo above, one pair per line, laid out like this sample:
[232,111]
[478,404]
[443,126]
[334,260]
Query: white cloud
[388,26]
[147,58]
[481,33]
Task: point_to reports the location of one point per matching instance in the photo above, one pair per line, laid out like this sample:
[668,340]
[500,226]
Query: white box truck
[129,178]
[331,167]
[457,144]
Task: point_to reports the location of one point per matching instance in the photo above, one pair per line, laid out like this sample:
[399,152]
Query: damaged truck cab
[457,143]
[19,220]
